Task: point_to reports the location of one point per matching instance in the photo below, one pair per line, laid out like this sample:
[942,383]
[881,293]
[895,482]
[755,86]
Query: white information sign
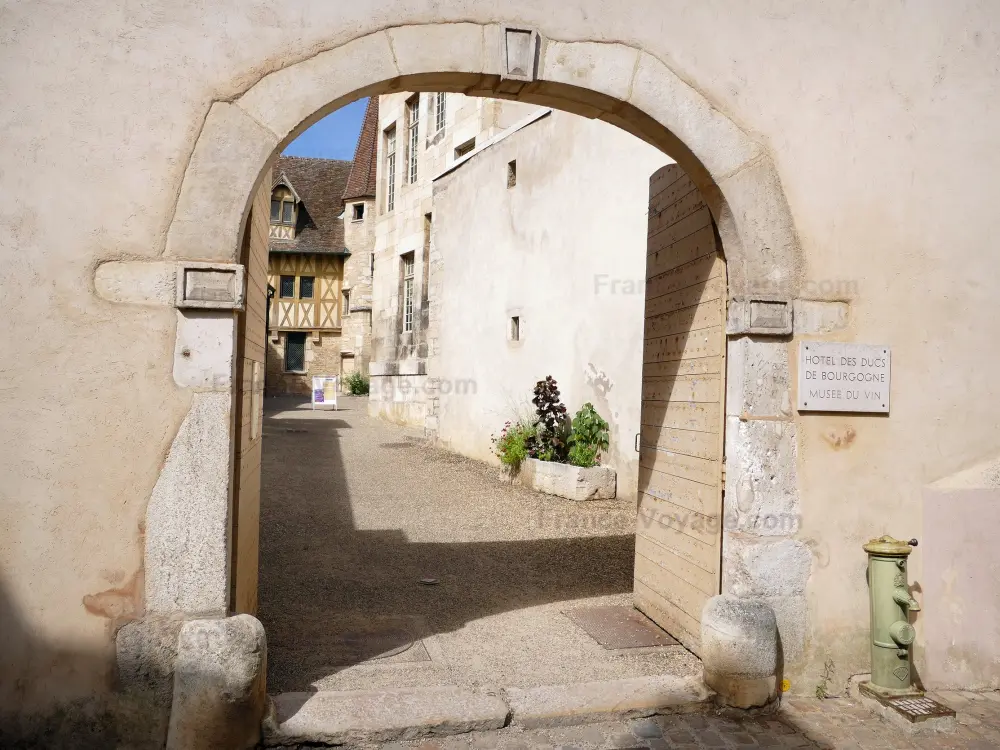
[324,391]
[843,377]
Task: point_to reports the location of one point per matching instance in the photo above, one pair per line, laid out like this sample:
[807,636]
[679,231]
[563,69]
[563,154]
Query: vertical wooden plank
[677,566]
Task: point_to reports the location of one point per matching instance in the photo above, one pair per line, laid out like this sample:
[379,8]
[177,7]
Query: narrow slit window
[511,173]
[439,111]
[413,128]
[390,168]
[515,328]
[408,268]
[347,303]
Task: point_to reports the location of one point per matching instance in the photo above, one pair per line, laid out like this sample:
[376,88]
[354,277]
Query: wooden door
[250,366]
[678,545]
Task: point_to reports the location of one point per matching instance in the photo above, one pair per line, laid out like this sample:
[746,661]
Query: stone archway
[186,534]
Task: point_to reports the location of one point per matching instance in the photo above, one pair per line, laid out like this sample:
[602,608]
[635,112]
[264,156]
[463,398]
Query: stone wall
[564,251]
[356,323]
[322,358]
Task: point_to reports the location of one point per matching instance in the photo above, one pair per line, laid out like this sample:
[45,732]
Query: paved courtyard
[386,563]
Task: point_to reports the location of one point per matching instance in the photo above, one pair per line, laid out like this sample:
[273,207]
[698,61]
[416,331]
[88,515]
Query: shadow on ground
[333,595]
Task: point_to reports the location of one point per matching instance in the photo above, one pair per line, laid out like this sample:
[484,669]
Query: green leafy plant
[588,437]
[583,455]
[510,445]
[823,687]
[357,384]
[549,442]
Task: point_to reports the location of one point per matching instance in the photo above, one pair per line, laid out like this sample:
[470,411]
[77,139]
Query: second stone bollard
[739,645]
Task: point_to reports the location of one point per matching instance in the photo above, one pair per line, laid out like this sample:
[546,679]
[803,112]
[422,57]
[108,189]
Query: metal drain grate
[919,708]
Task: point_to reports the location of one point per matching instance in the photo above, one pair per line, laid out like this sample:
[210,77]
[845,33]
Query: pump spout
[903,599]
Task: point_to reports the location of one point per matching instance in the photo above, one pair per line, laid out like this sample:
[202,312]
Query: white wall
[565,251]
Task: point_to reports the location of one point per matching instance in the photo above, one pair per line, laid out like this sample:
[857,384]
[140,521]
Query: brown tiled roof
[319,185]
[361,183]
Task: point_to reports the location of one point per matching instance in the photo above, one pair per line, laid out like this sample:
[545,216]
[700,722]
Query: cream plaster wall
[565,251]
[879,119]
[398,390]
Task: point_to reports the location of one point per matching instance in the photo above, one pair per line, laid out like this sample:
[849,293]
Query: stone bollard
[219,685]
[739,644]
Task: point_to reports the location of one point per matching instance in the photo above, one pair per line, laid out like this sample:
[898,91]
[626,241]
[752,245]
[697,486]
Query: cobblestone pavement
[832,724]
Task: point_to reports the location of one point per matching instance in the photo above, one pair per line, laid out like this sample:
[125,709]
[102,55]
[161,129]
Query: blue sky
[333,137]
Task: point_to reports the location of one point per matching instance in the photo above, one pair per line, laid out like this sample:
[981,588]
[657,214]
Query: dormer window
[282,206]
[284,213]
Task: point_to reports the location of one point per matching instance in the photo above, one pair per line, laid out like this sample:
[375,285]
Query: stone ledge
[352,717]
[605,700]
[571,482]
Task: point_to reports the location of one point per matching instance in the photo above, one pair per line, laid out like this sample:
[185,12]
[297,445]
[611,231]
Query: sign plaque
[843,377]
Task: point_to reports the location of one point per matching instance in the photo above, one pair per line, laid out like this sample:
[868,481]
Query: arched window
[282,206]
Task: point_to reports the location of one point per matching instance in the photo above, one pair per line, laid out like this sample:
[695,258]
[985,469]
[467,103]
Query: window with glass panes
[306,284]
[287,287]
[295,351]
[413,128]
[439,111]
[390,168]
[408,292]
[282,206]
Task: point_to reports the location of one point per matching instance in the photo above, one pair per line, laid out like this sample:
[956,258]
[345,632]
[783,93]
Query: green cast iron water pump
[892,635]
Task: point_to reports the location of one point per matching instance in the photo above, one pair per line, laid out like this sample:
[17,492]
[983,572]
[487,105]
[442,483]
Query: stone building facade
[359,238]
[508,215]
[420,135]
[538,254]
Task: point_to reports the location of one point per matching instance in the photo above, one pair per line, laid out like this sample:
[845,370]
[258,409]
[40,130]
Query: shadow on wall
[332,595]
[89,714]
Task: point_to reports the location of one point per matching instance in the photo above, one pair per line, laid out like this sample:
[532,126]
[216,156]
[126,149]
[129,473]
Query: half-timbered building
[305,272]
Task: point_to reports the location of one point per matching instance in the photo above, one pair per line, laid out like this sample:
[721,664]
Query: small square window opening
[306,284]
[358,212]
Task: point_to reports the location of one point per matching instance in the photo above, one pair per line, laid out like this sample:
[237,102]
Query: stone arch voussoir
[614,82]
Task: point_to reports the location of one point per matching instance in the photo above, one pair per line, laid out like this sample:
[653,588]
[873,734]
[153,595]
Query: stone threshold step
[351,717]
[605,700]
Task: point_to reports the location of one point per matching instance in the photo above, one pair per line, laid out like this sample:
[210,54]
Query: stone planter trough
[571,482]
